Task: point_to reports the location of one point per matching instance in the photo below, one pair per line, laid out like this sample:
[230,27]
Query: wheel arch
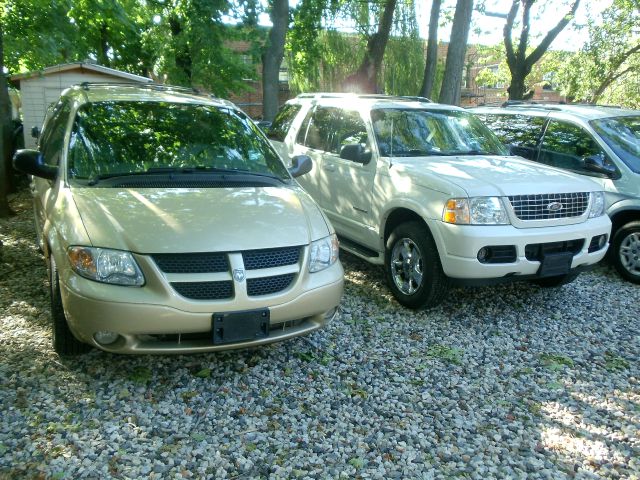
[622,217]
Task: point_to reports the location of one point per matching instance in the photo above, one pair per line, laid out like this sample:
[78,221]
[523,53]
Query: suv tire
[626,251]
[412,267]
[64,343]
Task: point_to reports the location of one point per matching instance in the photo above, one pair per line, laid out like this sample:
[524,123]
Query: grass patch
[447,354]
[614,363]
[555,362]
[141,375]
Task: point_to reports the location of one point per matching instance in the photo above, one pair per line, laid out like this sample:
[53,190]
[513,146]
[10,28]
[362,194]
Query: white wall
[40,92]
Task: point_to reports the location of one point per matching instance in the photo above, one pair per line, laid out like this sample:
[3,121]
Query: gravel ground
[506,382]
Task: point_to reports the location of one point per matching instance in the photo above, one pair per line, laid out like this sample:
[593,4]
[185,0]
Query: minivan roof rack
[149,85]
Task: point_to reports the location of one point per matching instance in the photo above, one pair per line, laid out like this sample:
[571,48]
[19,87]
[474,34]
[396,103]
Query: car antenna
[391,146]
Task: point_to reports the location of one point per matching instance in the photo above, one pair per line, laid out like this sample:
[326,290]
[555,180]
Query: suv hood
[176,220]
[480,175]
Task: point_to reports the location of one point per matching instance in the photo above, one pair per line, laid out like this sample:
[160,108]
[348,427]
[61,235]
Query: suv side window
[53,136]
[565,145]
[349,129]
[319,134]
[520,133]
[281,124]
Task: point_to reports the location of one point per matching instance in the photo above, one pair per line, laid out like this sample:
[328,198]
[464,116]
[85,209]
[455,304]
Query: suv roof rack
[406,98]
[529,104]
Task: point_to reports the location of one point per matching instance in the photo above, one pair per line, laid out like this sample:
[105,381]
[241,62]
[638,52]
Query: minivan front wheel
[64,343]
[626,251]
[412,266]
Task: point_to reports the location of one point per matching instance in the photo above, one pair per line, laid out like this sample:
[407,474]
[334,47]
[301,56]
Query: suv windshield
[124,138]
[622,134]
[411,132]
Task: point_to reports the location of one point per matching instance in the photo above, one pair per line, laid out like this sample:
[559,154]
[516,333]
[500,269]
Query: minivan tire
[411,249]
[627,239]
[64,343]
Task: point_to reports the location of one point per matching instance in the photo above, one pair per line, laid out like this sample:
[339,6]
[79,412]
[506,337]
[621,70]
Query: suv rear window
[622,134]
[130,137]
[519,130]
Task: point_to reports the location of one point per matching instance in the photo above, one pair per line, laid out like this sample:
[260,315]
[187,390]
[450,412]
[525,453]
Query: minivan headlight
[105,265]
[597,204]
[323,253]
[475,211]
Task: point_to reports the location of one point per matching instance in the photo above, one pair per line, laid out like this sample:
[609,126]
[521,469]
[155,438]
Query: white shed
[41,88]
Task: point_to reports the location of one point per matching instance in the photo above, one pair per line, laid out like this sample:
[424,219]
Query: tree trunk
[431,62]
[5,136]
[452,80]
[183,59]
[272,59]
[365,79]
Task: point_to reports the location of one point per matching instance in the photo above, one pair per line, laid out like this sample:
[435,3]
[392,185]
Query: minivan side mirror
[356,153]
[597,163]
[32,163]
[300,164]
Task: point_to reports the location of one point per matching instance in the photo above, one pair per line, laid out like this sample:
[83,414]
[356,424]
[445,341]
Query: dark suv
[597,141]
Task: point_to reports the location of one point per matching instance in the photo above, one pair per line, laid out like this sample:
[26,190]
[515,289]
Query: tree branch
[550,37]
[508,28]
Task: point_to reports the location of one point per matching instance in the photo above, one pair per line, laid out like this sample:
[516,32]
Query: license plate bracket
[554,264]
[241,326]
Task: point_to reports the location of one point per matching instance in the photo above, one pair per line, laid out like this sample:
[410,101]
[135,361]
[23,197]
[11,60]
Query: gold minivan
[170,225]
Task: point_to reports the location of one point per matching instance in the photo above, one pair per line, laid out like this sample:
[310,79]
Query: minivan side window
[566,145]
[284,118]
[520,133]
[53,137]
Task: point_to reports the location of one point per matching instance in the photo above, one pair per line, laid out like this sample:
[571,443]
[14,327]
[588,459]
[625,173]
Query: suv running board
[357,249]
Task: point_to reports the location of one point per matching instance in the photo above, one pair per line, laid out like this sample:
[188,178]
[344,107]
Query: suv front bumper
[459,245]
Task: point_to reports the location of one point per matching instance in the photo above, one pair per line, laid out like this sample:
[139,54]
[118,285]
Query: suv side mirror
[301,164]
[32,163]
[35,132]
[356,153]
[597,163]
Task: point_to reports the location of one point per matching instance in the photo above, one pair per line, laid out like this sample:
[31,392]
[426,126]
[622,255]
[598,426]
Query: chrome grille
[549,206]
[204,290]
[269,258]
[268,285]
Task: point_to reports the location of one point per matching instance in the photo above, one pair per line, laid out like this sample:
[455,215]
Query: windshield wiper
[181,170]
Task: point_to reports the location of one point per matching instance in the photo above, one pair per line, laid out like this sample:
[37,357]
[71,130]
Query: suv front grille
[218,262]
[549,206]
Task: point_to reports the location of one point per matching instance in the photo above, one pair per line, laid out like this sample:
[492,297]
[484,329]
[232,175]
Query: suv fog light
[597,243]
[483,253]
[105,337]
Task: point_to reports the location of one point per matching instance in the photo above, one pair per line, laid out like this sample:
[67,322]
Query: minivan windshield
[114,138]
[422,132]
[622,134]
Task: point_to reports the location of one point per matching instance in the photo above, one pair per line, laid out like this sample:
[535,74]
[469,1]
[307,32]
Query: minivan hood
[177,220]
[480,175]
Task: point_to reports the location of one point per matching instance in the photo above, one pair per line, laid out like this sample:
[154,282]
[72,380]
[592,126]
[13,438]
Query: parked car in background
[430,193]
[169,224]
[599,142]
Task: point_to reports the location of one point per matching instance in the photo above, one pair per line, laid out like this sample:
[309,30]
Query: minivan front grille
[204,290]
[549,206]
[192,262]
[269,258]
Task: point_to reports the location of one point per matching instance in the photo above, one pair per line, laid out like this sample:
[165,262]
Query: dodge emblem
[554,207]
[238,275]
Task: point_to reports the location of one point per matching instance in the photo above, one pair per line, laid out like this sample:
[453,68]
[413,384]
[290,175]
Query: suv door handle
[330,167]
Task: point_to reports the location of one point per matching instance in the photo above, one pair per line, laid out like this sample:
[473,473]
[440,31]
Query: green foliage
[606,69]
[448,354]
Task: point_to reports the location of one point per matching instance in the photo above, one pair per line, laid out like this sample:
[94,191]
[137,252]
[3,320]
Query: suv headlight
[597,204]
[104,265]
[323,253]
[475,211]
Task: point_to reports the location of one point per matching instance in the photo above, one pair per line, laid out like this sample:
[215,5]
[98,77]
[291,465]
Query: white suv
[428,191]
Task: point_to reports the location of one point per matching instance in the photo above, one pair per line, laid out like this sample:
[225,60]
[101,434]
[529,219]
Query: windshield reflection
[622,134]
[414,133]
[130,137]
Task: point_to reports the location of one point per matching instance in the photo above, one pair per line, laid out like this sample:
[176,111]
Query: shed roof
[81,66]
